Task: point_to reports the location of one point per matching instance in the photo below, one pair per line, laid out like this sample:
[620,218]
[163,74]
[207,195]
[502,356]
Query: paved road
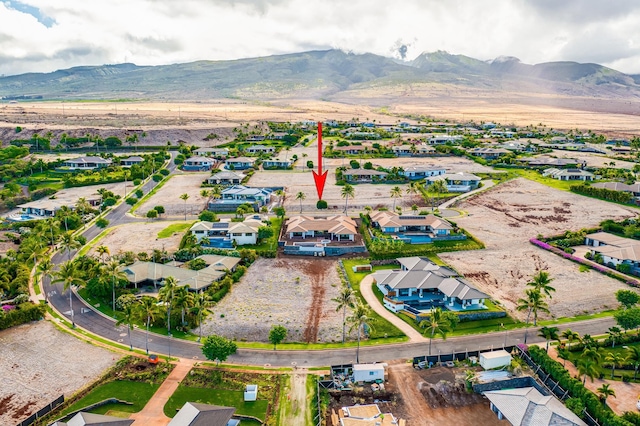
[103,326]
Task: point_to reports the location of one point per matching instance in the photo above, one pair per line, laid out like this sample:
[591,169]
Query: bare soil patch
[169,196]
[295,293]
[38,363]
[138,237]
[506,217]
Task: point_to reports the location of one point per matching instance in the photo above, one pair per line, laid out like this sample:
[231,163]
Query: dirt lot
[137,237]
[594,160]
[169,196]
[506,217]
[292,292]
[39,363]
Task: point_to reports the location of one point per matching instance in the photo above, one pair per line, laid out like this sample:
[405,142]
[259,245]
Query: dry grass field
[169,196]
[138,237]
[506,217]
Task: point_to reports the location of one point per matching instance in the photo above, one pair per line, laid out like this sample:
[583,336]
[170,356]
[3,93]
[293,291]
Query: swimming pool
[416,238]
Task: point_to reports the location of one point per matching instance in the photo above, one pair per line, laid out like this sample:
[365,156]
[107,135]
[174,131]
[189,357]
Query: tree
[102,223]
[345,299]
[627,298]
[185,197]
[628,318]
[200,308]
[265,232]
[279,211]
[159,209]
[570,336]
[152,214]
[277,334]
[347,191]
[564,355]
[396,192]
[218,348]
[102,252]
[69,242]
[69,275]
[587,368]
[184,300]
[300,196]
[440,323]
[633,355]
[148,310]
[541,282]
[128,304]
[533,303]
[166,294]
[614,334]
[438,186]
[208,216]
[604,392]
[549,333]
[616,359]
[360,319]
[44,269]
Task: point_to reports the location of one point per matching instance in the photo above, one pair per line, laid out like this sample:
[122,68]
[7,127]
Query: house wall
[245,238]
[368,375]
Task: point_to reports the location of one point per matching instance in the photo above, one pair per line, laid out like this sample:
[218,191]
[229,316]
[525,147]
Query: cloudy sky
[45,35]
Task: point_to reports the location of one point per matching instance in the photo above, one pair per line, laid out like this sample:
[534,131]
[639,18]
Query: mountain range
[318,75]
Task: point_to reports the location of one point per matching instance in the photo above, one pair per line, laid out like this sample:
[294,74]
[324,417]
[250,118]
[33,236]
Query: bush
[131,201]
[164,172]
[208,216]
[139,193]
[156,177]
[152,214]
[23,313]
[137,182]
[322,204]
[102,223]
[159,209]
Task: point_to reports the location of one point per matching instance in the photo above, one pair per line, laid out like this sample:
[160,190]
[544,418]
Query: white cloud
[151,32]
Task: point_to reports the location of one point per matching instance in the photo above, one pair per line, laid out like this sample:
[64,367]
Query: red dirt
[316,269]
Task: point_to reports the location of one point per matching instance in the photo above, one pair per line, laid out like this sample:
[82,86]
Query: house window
[237,234]
[371,373]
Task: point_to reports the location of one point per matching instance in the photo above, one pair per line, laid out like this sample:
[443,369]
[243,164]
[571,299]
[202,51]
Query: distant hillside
[314,75]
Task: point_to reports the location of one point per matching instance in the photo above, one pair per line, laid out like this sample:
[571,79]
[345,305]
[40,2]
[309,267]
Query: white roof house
[197,414]
[568,174]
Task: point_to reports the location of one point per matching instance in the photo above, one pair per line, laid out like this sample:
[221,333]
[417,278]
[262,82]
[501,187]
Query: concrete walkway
[153,413]
[366,288]
[486,184]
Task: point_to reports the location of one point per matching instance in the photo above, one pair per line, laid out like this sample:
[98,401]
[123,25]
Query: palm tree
[587,367]
[128,303]
[604,392]
[570,336]
[542,282]
[69,275]
[616,359]
[300,196]
[533,303]
[437,323]
[345,299]
[347,191]
[549,333]
[69,242]
[44,269]
[438,186]
[360,319]
[614,334]
[184,300]
[564,355]
[64,213]
[112,270]
[166,295]
[396,192]
[102,251]
[201,309]
[148,309]
[185,197]
[633,355]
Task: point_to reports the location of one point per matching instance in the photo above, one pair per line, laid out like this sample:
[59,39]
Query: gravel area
[295,293]
[121,238]
[169,196]
[506,217]
[39,363]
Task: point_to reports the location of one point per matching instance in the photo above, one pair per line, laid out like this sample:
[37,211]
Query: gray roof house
[568,174]
[86,163]
[527,406]
[240,163]
[82,419]
[212,152]
[197,414]
[225,178]
[131,161]
[422,172]
[457,182]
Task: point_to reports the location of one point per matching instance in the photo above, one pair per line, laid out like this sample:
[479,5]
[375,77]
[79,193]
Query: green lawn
[136,392]
[270,243]
[604,367]
[226,398]
[175,228]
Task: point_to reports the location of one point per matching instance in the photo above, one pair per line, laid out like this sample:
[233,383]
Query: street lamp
[502,327]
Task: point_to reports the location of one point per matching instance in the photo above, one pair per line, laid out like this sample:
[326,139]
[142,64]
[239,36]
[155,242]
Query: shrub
[322,204]
[131,201]
[208,216]
[156,178]
[137,182]
[159,209]
[102,223]
[152,214]
[164,172]
[23,313]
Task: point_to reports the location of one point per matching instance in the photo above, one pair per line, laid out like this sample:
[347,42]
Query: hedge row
[602,193]
[23,313]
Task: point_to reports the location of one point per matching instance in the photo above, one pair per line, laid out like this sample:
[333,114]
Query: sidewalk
[153,413]
[486,184]
[366,288]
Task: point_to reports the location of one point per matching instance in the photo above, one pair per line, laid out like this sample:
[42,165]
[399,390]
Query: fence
[43,411]
[317,420]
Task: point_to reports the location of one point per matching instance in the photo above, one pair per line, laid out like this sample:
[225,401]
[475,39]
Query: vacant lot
[295,293]
[595,160]
[169,195]
[140,236]
[506,217]
[39,363]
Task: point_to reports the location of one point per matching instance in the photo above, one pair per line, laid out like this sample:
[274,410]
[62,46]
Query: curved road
[99,324]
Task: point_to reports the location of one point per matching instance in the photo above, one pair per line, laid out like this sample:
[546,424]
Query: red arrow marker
[320,178]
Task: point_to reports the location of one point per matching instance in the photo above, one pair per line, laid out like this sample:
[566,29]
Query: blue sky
[45,35]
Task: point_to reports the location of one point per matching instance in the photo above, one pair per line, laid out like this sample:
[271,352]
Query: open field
[169,195]
[39,363]
[139,236]
[594,160]
[295,293]
[506,217]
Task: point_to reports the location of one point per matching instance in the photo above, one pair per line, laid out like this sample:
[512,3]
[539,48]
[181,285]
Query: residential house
[219,153]
[240,163]
[280,162]
[615,250]
[349,150]
[363,175]
[557,163]
[412,150]
[86,163]
[225,178]
[489,153]
[336,228]
[634,189]
[87,419]
[47,207]
[198,414]
[255,138]
[259,149]
[427,225]
[277,136]
[420,285]
[233,196]
[568,174]
[365,415]
[437,139]
[421,172]
[457,182]
[527,406]
[198,163]
[131,161]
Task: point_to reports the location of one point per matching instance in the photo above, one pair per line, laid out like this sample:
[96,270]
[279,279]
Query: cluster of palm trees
[534,302]
[361,318]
